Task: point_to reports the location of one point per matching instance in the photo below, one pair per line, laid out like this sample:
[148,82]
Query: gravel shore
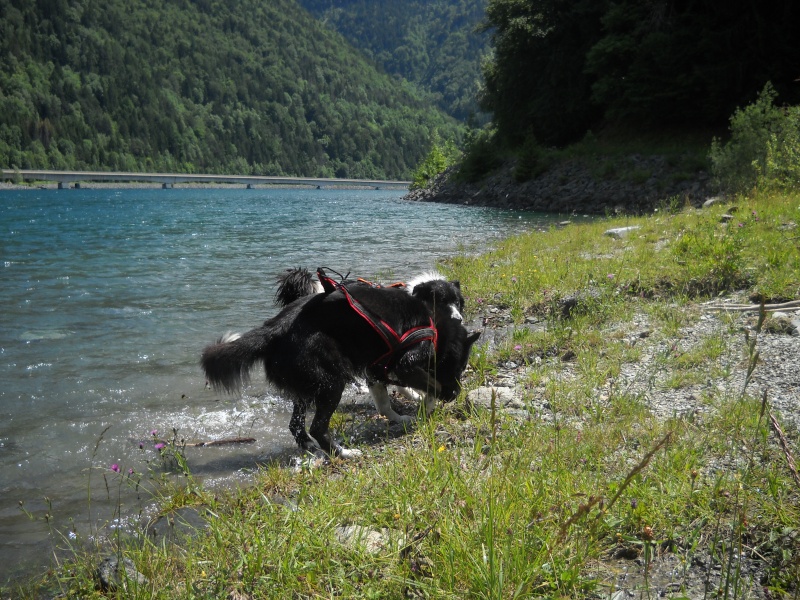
[777,376]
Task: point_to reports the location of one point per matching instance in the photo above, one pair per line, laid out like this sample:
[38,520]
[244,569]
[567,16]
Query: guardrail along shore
[65,179]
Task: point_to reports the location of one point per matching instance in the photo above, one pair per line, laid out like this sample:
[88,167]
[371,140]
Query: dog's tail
[228,361]
[294,284]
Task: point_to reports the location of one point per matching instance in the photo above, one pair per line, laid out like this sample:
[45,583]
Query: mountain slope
[238,87]
[432,43]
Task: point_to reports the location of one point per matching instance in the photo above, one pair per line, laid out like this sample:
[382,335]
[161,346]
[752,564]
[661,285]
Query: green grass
[483,505]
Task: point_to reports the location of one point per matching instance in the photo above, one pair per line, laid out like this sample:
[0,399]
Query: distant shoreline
[134,185]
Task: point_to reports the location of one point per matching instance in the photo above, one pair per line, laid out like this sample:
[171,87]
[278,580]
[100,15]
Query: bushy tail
[227,363]
[294,284]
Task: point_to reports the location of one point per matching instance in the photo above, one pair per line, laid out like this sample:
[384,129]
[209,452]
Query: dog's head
[442,297]
[455,344]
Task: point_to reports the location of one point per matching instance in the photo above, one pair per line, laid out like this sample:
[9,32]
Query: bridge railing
[64,178]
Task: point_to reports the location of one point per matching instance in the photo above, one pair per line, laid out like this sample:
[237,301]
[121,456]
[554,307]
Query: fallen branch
[776,427]
[222,442]
[752,307]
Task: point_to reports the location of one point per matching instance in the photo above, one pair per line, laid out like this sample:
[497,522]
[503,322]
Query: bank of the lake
[598,185]
[628,428]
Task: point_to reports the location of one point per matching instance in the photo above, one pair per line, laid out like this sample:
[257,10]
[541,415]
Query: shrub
[441,156]
[762,150]
[532,161]
[481,156]
[782,165]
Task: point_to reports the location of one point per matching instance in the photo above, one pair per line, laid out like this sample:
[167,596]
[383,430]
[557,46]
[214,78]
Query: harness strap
[398,284]
[397,344]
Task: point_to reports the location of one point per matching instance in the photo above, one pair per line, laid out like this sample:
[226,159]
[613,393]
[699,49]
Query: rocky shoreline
[632,184]
[775,375]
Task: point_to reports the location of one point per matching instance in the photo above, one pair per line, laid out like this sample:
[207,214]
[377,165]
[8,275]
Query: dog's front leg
[415,396]
[380,397]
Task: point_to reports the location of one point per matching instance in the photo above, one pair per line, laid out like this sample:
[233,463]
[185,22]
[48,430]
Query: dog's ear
[424,291]
[456,283]
[327,283]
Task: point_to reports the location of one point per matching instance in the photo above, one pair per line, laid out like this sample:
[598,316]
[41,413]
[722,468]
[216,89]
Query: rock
[373,541]
[621,232]
[781,324]
[577,303]
[281,501]
[712,201]
[112,576]
[505,398]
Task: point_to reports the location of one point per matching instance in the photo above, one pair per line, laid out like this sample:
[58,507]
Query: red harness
[396,343]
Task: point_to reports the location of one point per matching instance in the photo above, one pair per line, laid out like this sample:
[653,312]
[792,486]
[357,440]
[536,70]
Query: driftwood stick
[222,442]
[752,307]
[776,427]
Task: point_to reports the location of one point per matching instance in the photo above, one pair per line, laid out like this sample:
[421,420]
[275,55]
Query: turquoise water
[108,298]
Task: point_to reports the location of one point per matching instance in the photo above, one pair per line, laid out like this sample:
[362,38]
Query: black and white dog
[320,342]
[443,298]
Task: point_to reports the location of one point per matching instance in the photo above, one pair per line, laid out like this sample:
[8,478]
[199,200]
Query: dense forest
[257,87]
[247,87]
[561,68]
[436,44]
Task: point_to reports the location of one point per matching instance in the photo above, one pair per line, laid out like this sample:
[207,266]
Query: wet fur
[443,298]
[318,344]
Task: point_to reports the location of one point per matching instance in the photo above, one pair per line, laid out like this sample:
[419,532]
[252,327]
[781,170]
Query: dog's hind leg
[380,397]
[297,425]
[326,405]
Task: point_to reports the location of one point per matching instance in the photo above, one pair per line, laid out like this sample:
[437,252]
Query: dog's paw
[404,419]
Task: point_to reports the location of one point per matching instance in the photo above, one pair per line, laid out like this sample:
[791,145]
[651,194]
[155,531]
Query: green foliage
[532,160]
[246,87]
[536,80]
[560,68]
[432,43]
[690,254]
[782,164]
[481,154]
[441,156]
[762,149]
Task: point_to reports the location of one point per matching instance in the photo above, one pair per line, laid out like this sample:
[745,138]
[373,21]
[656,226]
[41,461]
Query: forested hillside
[561,68]
[433,43]
[200,86]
